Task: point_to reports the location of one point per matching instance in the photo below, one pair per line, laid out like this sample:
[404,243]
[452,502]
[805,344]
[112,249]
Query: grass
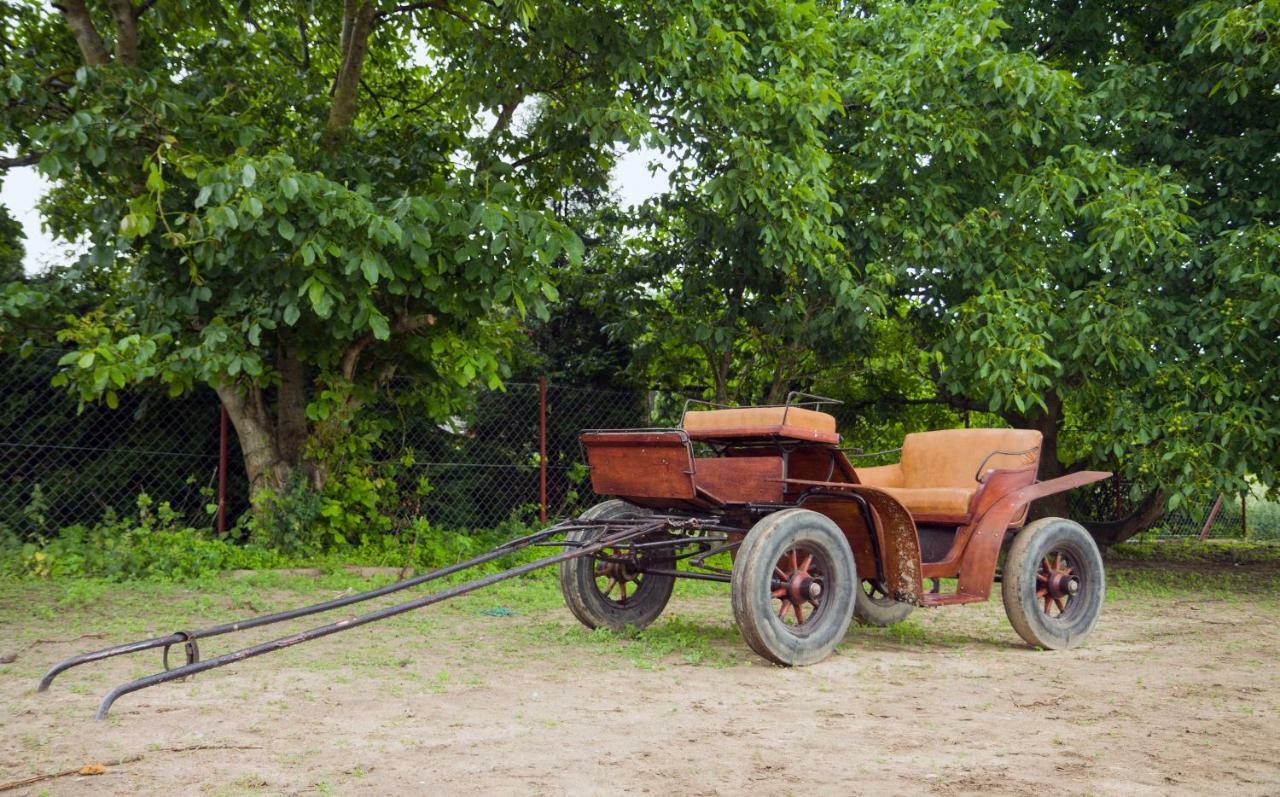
[526,616]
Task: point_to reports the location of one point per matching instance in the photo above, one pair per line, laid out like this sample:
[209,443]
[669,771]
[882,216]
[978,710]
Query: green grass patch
[1214,552]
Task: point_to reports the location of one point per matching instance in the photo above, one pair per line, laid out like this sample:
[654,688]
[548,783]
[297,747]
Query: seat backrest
[950,457]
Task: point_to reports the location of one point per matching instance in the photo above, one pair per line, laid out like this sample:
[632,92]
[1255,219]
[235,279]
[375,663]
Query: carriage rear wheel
[1053,583]
[872,605]
[792,587]
[608,590]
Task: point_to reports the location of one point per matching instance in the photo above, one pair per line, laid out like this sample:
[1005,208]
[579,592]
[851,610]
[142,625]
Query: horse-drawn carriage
[766,500]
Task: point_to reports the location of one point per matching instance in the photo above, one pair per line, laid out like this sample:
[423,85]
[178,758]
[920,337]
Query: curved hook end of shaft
[105,706]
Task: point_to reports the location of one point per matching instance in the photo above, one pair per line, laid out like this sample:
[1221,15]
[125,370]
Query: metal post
[222,469]
[1212,516]
[542,448]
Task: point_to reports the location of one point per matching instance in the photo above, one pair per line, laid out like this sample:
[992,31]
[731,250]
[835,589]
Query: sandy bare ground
[1177,694]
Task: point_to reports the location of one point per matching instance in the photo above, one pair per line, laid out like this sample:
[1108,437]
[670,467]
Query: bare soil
[1177,693]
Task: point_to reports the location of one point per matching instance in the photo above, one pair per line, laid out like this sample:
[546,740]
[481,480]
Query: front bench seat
[936,478]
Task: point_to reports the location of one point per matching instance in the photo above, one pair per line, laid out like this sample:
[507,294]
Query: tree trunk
[357,24]
[1047,423]
[126,32]
[86,35]
[291,404]
[265,467]
[1114,532]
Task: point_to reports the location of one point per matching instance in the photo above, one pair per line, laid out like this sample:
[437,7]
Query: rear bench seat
[936,478]
[793,422]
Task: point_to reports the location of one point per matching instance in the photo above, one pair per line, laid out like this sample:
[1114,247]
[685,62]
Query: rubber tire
[578,580]
[752,598]
[1018,586]
[879,612]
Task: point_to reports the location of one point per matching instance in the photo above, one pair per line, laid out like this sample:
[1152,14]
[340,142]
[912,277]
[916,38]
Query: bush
[152,545]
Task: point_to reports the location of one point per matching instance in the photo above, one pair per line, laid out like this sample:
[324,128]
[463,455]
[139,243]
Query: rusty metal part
[182,637]
[978,564]
[621,534]
[1057,583]
[798,581]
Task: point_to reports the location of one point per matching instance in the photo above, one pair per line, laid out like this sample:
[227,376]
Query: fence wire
[61,464]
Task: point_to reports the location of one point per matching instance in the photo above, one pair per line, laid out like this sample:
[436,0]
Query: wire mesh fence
[61,464]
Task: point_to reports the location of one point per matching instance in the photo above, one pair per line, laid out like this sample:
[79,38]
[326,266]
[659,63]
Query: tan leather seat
[936,477]
[794,422]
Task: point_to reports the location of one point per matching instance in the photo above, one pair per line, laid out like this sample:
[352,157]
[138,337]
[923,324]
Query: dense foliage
[1052,215]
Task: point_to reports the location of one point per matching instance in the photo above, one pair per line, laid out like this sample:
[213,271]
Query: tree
[12,250]
[296,203]
[1053,280]
[735,279]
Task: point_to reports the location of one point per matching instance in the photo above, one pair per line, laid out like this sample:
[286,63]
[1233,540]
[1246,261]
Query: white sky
[23,187]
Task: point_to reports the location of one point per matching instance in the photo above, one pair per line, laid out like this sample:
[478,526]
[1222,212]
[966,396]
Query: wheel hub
[797,583]
[1057,583]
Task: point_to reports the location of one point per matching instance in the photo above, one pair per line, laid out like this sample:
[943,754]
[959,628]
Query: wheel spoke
[1061,607]
[799,613]
[1047,601]
[782,574]
[623,583]
[808,560]
[782,610]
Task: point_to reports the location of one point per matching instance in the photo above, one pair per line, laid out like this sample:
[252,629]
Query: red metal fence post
[542,448]
[1212,516]
[222,469]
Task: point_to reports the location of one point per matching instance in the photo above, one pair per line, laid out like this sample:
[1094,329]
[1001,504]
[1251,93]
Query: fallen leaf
[93,769]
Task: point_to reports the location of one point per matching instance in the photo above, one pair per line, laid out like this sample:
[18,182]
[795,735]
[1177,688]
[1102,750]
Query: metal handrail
[977,476]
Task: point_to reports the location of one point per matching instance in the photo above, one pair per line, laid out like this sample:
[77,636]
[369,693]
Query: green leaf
[369,265]
[378,323]
[285,228]
[247,175]
[291,313]
[316,294]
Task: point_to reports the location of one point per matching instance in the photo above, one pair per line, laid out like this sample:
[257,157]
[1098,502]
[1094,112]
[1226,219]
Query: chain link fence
[61,464]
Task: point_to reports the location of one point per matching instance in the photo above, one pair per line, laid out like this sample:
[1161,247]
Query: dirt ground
[1177,693]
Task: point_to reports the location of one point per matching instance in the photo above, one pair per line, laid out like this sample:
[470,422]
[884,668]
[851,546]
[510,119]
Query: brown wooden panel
[640,464]
[739,480]
[848,516]
[814,463]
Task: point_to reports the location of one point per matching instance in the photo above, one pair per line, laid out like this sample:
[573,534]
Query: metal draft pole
[542,448]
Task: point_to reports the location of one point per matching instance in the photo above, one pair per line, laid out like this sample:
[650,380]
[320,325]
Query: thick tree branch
[306,46]
[126,32]
[402,325]
[347,88]
[29,159]
[86,35]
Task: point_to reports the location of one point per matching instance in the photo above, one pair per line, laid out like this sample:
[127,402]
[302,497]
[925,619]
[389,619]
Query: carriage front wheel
[792,587]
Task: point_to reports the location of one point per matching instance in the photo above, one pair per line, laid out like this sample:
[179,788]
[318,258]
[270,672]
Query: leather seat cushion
[745,421]
[951,502]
